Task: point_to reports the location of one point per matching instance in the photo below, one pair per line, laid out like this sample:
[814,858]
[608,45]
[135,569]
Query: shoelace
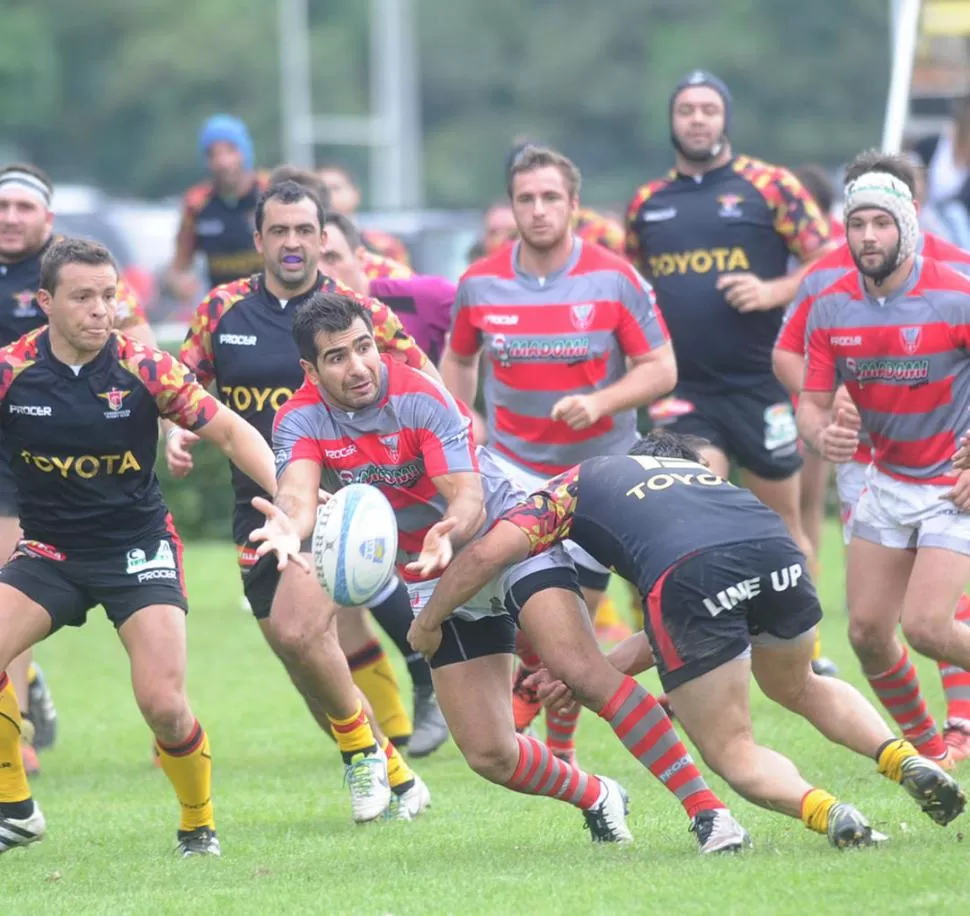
[702,828]
[598,823]
[360,775]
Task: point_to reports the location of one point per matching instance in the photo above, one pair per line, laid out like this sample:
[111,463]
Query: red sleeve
[792,334]
[641,327]
[821,373]
[178,395]
[546,517]
[16,357]
[466,339]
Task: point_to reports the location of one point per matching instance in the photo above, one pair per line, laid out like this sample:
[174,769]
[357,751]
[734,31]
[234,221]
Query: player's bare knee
[869,637]
[166,711]
[790,692]
[926,637]
[291,638]
[495,762]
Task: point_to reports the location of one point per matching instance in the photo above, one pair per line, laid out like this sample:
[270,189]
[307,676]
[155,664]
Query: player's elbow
[663,371]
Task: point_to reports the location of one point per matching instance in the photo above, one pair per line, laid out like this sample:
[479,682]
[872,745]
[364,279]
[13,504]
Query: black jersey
[83,444]
[223,229]
[241,342]
[19,312]
[685,232]
[640,516]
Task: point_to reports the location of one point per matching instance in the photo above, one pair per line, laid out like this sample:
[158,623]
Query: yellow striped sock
[816,806]
[399,774]
[13,779]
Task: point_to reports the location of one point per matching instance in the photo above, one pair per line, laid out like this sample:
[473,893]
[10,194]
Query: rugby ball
[355,544]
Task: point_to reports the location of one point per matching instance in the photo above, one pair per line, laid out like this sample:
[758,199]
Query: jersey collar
[708,177]
[533,282]
[101,361]
[291,304]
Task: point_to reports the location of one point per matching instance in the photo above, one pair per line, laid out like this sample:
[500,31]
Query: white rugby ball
[355,544]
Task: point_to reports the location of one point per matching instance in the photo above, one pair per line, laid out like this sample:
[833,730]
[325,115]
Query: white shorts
[530,481]
[850,481]
[490,601]
[905,516]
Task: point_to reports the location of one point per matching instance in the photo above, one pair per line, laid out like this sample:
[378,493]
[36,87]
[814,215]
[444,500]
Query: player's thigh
[154,638]
[782,667]
[713,708]
[472,677]
[38,595]
[876,580]
[936,582]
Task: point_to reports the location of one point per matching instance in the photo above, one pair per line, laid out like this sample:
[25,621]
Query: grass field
[289,845]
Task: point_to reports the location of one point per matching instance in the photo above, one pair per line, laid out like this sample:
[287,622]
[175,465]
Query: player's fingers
[261,504]
[301,561]
[323,497]
[559,408]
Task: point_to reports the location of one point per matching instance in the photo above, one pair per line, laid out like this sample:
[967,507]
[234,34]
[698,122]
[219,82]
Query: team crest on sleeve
[393,446]
[910,338]
[115,399]
[730,205]
[582,314]
[26,305]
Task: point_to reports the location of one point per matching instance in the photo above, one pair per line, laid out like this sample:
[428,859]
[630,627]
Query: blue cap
[229,129]
[704,78]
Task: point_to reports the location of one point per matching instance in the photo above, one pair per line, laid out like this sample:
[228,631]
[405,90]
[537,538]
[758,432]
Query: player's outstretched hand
[178,453]
[423,639]
[552,693]
[960,494]
[277,536]
[578,411]
[745,292]
[961,457]
[436,551]
[839,440]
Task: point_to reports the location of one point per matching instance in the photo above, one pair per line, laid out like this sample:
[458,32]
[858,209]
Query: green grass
[289,845]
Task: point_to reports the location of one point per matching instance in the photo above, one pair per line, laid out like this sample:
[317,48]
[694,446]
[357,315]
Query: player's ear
[258,241]
[44,301]
[311,371]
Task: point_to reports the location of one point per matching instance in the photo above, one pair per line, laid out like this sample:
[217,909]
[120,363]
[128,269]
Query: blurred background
[421,99]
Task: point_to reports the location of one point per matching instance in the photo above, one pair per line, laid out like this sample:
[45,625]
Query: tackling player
[241,342]
[726,594]
[26,221]
[894,332]
[559,320]
[79,410]
[363,418]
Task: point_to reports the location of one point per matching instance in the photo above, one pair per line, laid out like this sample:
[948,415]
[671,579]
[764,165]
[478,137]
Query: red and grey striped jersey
[544,338]
[414,432]
[904,360]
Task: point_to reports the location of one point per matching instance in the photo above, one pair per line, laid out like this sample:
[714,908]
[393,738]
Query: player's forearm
[789,369]
[811,418]
[464,578]
[642,385]
[301,510]
[468,510]
[246,448]
[632,656]
[460,375]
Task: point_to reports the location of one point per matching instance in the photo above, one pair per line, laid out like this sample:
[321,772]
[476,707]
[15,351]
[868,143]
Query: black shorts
[260,577]
[754,427]
[122,579]
[708,608]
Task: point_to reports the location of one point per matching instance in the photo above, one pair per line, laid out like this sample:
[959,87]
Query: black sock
[17,810]
[348,756]
[395,618]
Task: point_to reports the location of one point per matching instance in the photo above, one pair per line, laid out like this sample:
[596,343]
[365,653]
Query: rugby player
[361,417]
[217,214]
[893,331]
[558,319]
[241,342]
[26,233]
[422,302]
[789,363]
[726,594]
[345,198]
[79,410]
